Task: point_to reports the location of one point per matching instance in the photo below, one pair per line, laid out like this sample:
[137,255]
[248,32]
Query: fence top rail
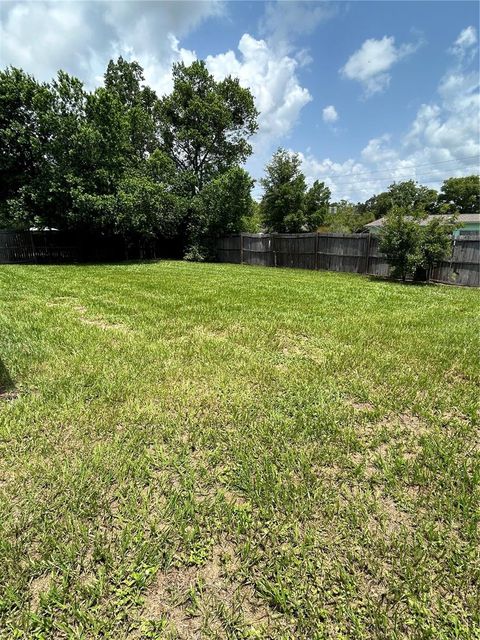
[288,236]
[344,235]
[309,234]
[245,234]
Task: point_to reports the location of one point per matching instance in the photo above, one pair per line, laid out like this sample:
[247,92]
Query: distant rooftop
[463,218]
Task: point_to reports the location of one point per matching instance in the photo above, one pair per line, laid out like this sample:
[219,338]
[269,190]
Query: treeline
[121,160]
[289,207]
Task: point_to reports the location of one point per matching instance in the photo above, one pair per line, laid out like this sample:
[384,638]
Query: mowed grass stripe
[197,450]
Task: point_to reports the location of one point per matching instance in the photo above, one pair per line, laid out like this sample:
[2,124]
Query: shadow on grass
[407,283]
[92,263]
[7,386]
[118,263]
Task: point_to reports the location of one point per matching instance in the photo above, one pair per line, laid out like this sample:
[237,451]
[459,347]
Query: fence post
[273,248]
[241,248]
[315,263]
[34,251]
[367,261]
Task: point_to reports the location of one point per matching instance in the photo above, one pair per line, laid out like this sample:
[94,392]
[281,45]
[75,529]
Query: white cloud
[441,141]
[81,37]
[371,63]
[284,21]
[377,150]
[45,36]
[330,114]
[158,74]
[271,76]
[332,173]
[451,125]
[464,45]
[272,80]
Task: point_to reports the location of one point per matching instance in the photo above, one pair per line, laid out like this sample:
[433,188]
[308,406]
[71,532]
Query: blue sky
[366,92]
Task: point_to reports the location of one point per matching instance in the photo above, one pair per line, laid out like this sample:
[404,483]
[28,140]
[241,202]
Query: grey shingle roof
[463,218]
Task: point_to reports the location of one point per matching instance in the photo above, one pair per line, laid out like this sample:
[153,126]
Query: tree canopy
[407,195]
[121,160]
[287,205]
[461,195]
[204,125]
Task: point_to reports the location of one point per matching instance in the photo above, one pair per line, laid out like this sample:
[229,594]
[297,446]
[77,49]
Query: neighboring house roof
[463,218]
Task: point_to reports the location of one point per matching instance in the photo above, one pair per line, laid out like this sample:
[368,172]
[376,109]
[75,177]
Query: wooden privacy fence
[353,252]
[464,264]
[65,246]
[36,246]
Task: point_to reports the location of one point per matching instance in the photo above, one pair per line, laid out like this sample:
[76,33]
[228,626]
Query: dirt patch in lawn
[360,406]
[38,586]
[406,422]
[198,600]
[393,519]
[98,322]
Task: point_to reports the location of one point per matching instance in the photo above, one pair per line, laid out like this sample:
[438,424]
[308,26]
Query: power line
[355,174]
[421,178]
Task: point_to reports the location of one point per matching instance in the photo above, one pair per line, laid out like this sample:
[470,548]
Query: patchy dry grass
[216,451]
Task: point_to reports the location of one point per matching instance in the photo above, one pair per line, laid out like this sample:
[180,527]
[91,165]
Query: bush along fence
[39,247]
[353,252]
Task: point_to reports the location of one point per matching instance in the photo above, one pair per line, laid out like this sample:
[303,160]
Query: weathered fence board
[257,249]
[295,250]
[342,252]
[376,264]
[352,252]
[229,249]
[464,266]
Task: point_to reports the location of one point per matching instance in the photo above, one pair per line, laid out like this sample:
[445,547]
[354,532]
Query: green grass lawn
[218,451]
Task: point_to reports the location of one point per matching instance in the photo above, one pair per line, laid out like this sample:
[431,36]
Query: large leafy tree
[204,125]
[316,205]
[460,195]
[23,138]
[284,185]
[125,80]
[118,160]
[287,205]
[87,155]
[57,115]
[411,196]
[377,206]
[408,195]
[436,241]
[67,165]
